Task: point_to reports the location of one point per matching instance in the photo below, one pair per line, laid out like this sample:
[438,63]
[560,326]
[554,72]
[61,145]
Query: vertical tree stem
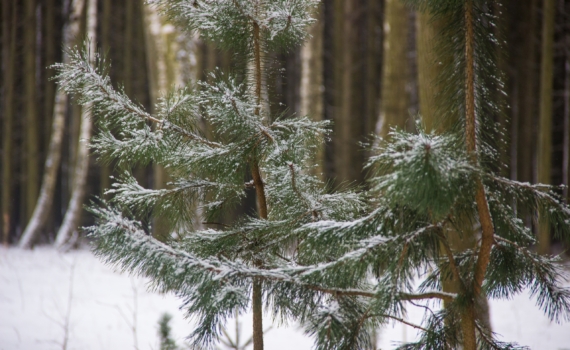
[257,59]
[260,194]
[9,26]
[544,152]
[44,204]
[31,117]
[470,134]
[73,214]
[487,239]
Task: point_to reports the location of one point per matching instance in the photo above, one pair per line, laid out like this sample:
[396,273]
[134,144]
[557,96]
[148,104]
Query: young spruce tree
[221,269]
[339,263]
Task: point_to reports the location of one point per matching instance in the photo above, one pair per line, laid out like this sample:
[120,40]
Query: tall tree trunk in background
[375,13]
[73,214]
[45,201]
[50,46]
[394,101]
[503,136]
[429,71]
[31,111]
[163,74]
[106,21]
[344,121]
[311,93]
[566,117]
[9,24]
[544,153]
[128,47]
[527,89]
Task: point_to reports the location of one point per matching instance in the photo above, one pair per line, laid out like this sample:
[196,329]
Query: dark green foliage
[228,23]
[164,333]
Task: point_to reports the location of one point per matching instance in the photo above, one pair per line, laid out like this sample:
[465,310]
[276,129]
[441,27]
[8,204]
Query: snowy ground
[48,299]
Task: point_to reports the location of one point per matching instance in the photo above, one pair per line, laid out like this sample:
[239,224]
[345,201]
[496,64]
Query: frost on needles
[341,263]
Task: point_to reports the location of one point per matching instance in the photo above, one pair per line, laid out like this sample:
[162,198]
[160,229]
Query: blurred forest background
[367,67]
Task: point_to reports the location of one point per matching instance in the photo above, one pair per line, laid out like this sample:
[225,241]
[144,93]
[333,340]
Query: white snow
[38,288]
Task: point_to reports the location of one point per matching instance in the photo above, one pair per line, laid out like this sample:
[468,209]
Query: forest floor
[50,300]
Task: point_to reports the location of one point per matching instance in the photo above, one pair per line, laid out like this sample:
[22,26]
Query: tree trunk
[105,46]
[566,118]
[128,47]
[544,153]
[428,71]
[50,47]
[164,72]
[311,94]
[345,122]
[73,214]
[394,102]
[31,119]
[9,25]
[527,92]
[257,290]
[429,97]
[45,201]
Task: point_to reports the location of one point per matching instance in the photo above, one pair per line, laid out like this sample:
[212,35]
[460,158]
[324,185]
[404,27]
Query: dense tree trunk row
[368,66]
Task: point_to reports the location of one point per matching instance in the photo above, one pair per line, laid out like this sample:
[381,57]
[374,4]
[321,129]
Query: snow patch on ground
[44,294]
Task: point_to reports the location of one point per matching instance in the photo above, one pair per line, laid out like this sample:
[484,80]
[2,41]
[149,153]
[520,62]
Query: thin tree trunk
[73,213]
[566,137]
[373,66]
[31,127]
[527,121]
[45,201]
[394,102]
[487,229]
[544,153]
[9,24]
[344,121]
[257,292]
[105,45]
[164,72]
[311,94]
[467,318]
[50,47]
[128,57]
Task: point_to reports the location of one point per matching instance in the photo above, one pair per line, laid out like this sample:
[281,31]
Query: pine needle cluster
[341,263]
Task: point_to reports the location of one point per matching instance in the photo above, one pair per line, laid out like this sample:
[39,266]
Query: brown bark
[468,317]
[128,48]
[257,293]
[311,103]
[487,234]
[345,122]
[429,71]
[394,99]
[566,118]
[527,92]
[544,152]
[8,59]
[105,45]
[50,46]
[31,118]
